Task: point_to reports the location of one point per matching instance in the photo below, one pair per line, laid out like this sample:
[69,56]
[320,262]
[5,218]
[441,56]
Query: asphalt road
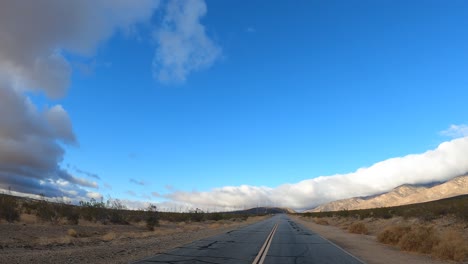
[281,241]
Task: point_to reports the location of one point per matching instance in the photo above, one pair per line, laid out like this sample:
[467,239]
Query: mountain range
[401,195]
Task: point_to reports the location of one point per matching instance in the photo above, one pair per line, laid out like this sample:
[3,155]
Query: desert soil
[365,247]
[96,243]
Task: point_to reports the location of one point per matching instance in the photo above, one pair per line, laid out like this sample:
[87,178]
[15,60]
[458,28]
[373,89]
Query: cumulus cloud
[35,38]
[456,131]
[183,45]
[448,160]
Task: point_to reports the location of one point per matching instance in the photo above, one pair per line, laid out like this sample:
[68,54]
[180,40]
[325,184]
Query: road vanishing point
[276,240]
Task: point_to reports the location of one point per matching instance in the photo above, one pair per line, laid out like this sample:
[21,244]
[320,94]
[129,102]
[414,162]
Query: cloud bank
[448,160]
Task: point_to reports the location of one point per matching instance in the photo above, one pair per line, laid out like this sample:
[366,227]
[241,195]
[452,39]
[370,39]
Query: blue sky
[260,94]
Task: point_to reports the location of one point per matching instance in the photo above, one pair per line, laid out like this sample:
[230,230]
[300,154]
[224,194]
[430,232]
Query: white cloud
[445,162]
[456,131]
[183,45]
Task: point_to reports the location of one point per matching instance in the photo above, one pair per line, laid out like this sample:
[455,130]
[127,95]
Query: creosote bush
[358,228]
[419,239]
[9,209]
[392,234]
[452,246]
[152,218]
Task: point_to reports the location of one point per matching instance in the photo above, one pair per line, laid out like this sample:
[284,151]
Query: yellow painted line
[264,250]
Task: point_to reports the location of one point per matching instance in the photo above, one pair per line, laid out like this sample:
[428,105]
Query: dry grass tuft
[321,221]
[214,225]
[358,228]
[72,232]
[393,234]
[419,239]
[109,236]
[452,246]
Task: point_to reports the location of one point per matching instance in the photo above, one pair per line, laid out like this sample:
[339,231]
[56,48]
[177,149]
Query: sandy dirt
[96,243]
[365,247]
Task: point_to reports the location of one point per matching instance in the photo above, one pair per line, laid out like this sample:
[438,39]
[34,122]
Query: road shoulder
[365,247]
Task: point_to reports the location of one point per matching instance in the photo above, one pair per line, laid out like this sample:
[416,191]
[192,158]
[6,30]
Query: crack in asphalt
[208,246]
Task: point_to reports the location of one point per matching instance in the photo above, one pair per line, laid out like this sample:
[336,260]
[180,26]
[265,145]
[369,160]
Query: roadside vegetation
[438,228]
[110,212]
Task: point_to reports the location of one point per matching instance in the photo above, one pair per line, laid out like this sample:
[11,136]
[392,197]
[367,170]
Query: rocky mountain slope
[405,194]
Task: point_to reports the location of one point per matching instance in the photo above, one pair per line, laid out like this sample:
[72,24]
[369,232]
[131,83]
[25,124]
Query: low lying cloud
[183,45]
[448,160]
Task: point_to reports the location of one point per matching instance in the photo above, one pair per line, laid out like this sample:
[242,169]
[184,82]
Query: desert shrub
[358,228]
[321,221]
[73,217]
[461,210]
[419,239]
[29,207]
[452,246]
[117,217]
[197,215]
[9,209]
[215,216]
[47,212]
[152,217]
[93,210]
[392,234]
[70,213]
[343,213]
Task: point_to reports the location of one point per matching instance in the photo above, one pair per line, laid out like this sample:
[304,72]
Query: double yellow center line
[264,250]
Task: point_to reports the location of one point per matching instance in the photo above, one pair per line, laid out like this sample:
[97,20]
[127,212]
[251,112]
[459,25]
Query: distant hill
[264,210]
[401,195]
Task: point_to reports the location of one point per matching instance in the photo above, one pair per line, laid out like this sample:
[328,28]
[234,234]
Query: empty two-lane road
[274,240]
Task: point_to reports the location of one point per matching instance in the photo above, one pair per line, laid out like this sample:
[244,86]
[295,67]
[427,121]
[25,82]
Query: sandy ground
[95,243]
[365,247]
